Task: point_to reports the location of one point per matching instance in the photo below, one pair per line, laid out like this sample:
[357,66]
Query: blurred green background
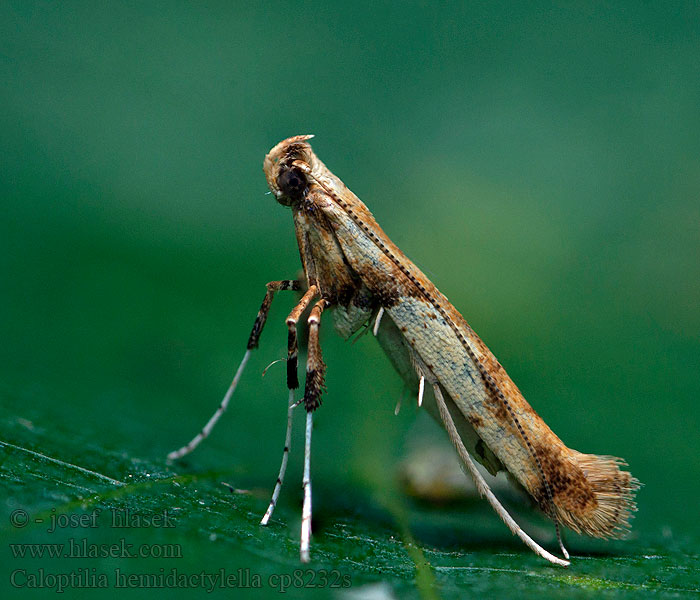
[540,162]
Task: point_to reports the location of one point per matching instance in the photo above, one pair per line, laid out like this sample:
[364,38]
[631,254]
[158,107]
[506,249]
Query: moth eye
[292,183]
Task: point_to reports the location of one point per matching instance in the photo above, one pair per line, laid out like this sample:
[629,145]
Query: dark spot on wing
[475,420]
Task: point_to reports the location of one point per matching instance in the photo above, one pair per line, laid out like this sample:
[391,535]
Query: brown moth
[351,266]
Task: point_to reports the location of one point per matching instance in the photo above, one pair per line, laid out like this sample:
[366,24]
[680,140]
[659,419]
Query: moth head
[292,184]
[285,167]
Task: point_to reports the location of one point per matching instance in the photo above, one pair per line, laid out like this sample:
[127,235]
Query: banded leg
[285,459]
[272,288]
[292,384]
[292,347]
[482,486]
[315,367]
[315,372]
[306,484]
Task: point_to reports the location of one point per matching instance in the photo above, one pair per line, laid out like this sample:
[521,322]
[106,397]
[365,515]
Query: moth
[353,268]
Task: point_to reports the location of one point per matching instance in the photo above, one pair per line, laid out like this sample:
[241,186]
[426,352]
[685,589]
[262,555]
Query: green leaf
[377,542]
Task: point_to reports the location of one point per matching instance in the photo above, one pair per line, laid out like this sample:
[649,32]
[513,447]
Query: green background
[540,162]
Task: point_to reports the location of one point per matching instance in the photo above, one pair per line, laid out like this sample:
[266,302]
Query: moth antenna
[285,459]
[564,551]
[483,487]
[206,430]
[548,489]
[378,320]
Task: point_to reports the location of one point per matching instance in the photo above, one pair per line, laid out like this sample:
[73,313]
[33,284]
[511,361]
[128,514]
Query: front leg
[261,318]
[254,338]
[292,384]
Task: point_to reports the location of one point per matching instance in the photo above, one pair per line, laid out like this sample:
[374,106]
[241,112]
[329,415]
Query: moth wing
[403,359]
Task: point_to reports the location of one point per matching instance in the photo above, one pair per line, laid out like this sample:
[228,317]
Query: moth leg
[377,321]
[285,459]
[421,387]
[315,371]
[397,408]
[421,371]
[292,347]
[292,384]
[306,484]
[315,367]
[482,486]
[272,288]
